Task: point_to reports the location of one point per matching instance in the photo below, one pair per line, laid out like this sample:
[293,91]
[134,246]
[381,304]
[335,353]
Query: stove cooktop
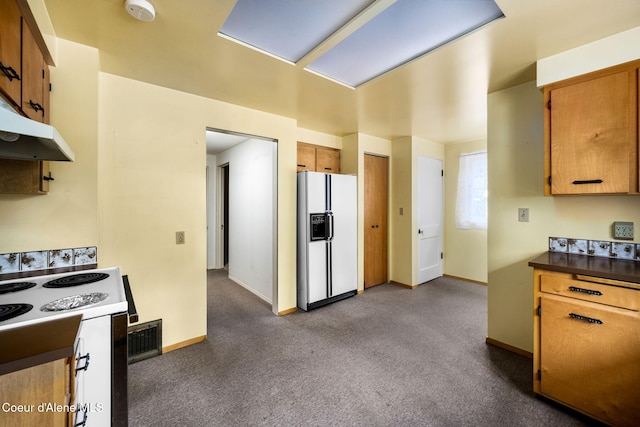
[28,301]
[9,311]
[15,287]
[75,279]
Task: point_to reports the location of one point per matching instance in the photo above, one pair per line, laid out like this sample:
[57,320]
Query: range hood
[25,139]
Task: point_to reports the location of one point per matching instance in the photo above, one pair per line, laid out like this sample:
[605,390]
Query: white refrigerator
[327,238]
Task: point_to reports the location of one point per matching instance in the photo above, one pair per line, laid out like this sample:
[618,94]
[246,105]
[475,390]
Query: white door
[430,208]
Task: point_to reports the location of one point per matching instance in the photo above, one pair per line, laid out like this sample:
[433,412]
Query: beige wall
[403,241]
[66,217]
[515,151]
[401,196]
[139,176]
[318,138]
[152,181]
[357,146]
[465,251]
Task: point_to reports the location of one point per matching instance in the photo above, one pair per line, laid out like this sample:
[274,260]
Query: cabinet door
[33,76]
[11,71]
[590,358]
[592,135]
[23,176]
[46,384]
[327,160]
[306,157]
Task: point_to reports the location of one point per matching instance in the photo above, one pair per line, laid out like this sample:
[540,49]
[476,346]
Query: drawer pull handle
[585,318]
[587,181]
[585,291]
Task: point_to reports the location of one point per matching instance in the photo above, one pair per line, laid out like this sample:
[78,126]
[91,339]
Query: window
[471,201]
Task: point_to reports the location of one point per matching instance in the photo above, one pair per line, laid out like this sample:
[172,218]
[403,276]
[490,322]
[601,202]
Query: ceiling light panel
[404,31]
[288,29]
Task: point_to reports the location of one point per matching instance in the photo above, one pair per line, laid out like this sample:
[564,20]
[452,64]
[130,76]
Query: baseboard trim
[464,279]
[508,347]
[182,344]
[402,285]
[250,289]
[288,311]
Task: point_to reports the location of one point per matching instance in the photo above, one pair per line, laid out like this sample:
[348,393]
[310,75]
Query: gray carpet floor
[388,357]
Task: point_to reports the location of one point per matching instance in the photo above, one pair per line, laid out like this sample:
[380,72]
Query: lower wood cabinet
[38,396]
[24,177]
[587,345]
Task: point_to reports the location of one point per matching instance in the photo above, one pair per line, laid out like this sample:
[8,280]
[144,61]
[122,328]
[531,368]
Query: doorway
[376,202]
[243,206]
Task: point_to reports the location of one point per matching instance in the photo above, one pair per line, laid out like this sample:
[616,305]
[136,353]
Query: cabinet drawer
[589,358]
[594,289]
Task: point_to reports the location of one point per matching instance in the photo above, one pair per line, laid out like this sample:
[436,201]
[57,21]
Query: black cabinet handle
[302,166]
[9,72]
[585,318]
[585,291]
[48,178]
[36,106]
[588,181]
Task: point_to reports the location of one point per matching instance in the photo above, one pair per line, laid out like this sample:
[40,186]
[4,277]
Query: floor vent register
[145,340]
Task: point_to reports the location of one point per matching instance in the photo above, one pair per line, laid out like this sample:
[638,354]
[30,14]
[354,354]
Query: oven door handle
[84,367]
[85,415]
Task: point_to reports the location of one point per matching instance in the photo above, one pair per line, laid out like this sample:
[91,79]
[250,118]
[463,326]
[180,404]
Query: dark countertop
[27,346]
[608,268]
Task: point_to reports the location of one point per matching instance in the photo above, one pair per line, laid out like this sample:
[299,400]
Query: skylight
[369,45]
[288,29]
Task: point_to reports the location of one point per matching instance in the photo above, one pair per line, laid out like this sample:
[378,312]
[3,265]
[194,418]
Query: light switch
[523,214]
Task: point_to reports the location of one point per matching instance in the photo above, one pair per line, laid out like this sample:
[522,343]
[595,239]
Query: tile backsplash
[599,248]
[14,262]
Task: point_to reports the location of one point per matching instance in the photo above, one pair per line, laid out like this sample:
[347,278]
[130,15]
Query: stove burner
[75,280]
[15,287]
[9,311]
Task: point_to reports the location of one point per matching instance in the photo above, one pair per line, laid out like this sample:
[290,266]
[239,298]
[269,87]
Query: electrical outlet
[523,214]
[179,237]
[623,230]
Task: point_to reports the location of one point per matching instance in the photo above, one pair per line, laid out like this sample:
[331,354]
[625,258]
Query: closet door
[376,196]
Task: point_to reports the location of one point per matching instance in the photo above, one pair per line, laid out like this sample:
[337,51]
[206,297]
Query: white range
[101,349]
[41,298]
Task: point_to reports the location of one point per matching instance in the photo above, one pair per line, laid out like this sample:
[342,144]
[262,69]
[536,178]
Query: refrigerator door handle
[327,230]
[330,225]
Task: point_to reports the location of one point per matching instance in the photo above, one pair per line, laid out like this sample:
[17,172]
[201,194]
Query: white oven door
[93,373]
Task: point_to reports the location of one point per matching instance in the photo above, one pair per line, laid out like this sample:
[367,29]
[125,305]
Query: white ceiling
[440,96]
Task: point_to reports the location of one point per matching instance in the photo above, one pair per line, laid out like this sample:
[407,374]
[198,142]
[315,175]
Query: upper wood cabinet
[24,177]
[10,59]
[24,61]
[318,158]
[24,82]
[35,81]
[591,136]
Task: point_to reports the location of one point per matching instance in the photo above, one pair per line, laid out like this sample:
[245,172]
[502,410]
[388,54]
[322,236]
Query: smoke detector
[142,10]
